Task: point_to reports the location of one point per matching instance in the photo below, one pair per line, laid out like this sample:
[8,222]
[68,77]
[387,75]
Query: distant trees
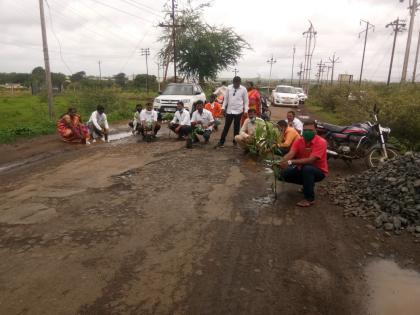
[78,76]
[140,81]
[120,79]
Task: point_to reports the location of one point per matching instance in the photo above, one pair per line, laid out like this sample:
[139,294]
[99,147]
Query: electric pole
[333,61]
[397,26]
[415,61]
[309,50]
[320,65]
[146,52]
[413,8]
[293,64]
[366,31]
[270,61]
[300,73]
[100,71]
[46,61]
[235,71]
[158,74]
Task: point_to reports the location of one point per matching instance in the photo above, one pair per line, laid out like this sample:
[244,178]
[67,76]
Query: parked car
[284,95]
[301,94]
[188,93]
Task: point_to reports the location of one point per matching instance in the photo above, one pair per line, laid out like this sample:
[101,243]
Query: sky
[82,32]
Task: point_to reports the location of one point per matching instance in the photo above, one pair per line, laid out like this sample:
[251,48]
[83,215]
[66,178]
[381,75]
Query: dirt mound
[389,194]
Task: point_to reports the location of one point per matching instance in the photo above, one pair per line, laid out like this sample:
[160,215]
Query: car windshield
[178,89]
[285,89]
[299,90]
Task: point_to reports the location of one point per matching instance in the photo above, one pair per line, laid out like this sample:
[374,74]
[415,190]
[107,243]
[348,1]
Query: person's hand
[199,122]
[222,112]
[177,129]
[245,115]
[283,164]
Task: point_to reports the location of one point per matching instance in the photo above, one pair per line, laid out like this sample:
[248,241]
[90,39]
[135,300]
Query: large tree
[78,76]
[120,79]
[202,50]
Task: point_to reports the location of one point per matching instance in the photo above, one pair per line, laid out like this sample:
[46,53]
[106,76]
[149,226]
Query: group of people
[304,153]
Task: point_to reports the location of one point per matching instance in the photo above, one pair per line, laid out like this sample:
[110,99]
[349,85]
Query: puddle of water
[393,290]
[119,136]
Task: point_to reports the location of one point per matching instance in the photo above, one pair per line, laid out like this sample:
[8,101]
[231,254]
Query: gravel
[389,195]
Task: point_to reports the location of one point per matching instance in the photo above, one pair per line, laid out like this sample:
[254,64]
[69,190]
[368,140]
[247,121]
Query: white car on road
[284,95]
[188,93]
[301,94]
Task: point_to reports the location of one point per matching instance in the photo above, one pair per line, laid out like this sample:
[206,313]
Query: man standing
[98,124]
[292,121]
[306,163]
[202,122]
[288,136]
[149,120]
[248,129]
[234,105]
[181,124]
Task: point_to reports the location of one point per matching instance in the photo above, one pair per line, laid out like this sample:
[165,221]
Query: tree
[37,79]
[58,80]
[140,81]
[202,50]
[120,79]
[78,76]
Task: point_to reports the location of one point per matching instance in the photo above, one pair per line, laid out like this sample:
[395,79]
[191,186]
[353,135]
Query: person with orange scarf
[254,100]
[71,129]
[216,110]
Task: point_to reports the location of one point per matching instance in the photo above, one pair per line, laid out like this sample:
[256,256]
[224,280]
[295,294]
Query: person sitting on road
[181,123]
[306,163]
[98,125]
[216,110]
[292,121]
[71,129]
[135,124]
[288,135]
[149,121]
[202,123]
[248,129]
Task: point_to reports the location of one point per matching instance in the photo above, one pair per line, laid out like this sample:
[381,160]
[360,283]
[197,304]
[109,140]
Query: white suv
[188,93]
[284,95]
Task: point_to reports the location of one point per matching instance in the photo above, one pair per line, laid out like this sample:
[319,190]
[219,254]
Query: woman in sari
[71,129]
[254,100]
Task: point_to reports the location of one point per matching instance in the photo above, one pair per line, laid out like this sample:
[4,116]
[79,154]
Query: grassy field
[25,115]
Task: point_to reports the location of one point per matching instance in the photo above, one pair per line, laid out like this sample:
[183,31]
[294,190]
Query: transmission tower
[333,61]
[398,26]
[366,31]
[270,61]
[309,50]
[146,52]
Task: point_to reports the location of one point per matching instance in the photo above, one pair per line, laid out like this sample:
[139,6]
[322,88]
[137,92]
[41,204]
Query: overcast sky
[113,31]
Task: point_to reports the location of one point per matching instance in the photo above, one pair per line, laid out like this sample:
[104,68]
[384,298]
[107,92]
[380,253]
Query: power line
[145,8]
[368,27]
[122,11]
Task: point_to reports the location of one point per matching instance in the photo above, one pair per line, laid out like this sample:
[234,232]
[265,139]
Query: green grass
[25,115]
[323,114]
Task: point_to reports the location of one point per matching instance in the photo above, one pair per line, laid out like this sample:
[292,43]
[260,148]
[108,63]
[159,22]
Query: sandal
[305,203]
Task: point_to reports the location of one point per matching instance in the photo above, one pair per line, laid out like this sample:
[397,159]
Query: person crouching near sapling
[136,123]
[98,125]
[306,163]
[247,131]
[202,123]
[181,123]
[149,121]
[288,135]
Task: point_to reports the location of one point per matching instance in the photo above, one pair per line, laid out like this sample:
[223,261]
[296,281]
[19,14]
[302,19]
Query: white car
[188,93]
[284,95]
[301,94]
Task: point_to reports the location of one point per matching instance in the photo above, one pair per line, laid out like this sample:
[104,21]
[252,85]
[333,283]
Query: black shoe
[220,145]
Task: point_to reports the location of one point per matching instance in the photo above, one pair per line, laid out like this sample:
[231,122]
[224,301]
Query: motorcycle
[265,111]
[362,140]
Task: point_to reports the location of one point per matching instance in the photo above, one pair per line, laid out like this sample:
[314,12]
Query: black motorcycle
[363,140]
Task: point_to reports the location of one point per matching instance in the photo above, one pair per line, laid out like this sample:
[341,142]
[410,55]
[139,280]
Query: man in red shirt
[306,163]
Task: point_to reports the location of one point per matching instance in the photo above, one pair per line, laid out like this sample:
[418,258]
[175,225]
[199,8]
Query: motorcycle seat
[334,128]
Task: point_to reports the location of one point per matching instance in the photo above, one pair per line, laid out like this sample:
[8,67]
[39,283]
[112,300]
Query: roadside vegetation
[399,108]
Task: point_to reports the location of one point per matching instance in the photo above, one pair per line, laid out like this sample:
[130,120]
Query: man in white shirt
[98,125]
[202,122]
[220,92]
[136,124]
[149,121]
[234,106]
[292,121]
[248,129]
[181,124]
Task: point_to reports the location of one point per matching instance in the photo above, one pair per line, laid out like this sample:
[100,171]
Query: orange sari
[71,129]
[254,98]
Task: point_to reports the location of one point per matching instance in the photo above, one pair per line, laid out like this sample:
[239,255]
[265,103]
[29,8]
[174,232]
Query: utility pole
[333,61]
[235,71]
[320,65]
[300,73]
[270,61]
[158,74]
[366,31]
[397,26]
[413,80]
[146,52]
[100,71]
[309,50]
[293,64]
[413,8]
[46,61]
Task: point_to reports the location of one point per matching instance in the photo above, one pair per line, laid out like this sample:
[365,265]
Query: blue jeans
[307,176]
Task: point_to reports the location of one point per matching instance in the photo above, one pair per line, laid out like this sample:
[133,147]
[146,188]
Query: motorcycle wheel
[375,157]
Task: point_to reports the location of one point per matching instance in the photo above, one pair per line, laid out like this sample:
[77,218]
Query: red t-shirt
[317,147]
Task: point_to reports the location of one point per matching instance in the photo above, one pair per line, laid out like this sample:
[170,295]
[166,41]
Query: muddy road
[154,228]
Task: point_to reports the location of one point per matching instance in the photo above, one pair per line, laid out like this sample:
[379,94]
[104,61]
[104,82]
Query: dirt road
[154,228]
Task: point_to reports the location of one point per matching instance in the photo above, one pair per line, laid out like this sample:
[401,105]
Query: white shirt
[249,127]
[236,100]
[182,119]
[147,116]
[221,91]
[99,121]
[206,118]
[297,124]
